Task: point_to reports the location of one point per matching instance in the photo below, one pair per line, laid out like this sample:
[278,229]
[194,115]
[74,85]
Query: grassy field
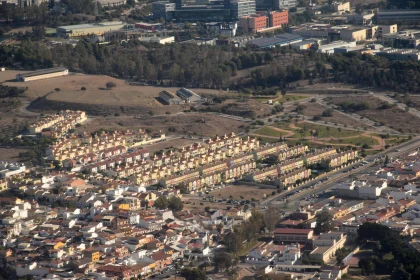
[358,141]
[325,131]
[267,140]
[268,131]
[293,142]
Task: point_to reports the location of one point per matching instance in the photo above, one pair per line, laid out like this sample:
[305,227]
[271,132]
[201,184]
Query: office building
[219,10]
[360,19]
[253,23]
[163,10]
[240,8]
[407,39]
[264,5]
[264,20]
[405,17]
[284,4]
[400,54]
[329,48]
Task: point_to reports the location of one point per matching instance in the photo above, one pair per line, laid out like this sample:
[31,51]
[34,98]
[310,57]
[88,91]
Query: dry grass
[190,123]
[11,154]
[316,109]
[236,191]
[393,118]
[96,92]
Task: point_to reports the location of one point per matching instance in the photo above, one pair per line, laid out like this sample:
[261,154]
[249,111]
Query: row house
[216,167]
[263,174]
[177,179]
[220,142]
[238,170]
[193,150]
[342,158]
[319,155]
[269,150]
[292,152]
[292,177]
[290,165]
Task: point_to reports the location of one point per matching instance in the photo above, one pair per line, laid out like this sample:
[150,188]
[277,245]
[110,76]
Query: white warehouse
[42,74]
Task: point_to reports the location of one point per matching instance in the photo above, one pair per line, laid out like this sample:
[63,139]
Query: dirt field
[96,91]
[11,154]
[189,123]
[393,118]
[315,109]
[12,120]
[236,191]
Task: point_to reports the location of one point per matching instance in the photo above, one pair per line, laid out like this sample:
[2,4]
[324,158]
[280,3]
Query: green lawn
[359,141]
[325,131]
[267,140]
[395,141]
[293,142]
[268,131]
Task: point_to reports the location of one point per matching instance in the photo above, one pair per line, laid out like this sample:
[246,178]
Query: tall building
[284,4]
[217,10]
[163,9]
[240,8]
[264,5]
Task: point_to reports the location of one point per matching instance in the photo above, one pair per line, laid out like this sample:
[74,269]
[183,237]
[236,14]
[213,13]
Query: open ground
[96,92]
[393,117]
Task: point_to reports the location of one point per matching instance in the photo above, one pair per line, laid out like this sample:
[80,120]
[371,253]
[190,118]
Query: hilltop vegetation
[215,66]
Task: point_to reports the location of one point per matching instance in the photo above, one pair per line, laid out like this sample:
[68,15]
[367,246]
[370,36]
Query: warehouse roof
[88,25]
[279,39]
[43,72]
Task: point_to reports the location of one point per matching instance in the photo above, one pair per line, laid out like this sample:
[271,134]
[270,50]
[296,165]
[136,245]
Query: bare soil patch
[238,191]
[11,154]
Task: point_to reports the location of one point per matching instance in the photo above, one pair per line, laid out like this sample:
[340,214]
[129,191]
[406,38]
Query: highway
[339,175]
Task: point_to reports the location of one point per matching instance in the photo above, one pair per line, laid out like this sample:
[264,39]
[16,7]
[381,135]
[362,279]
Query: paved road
[340,175]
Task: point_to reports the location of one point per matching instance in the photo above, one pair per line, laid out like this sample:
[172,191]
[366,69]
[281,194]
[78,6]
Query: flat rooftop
[88,25]
[43,72]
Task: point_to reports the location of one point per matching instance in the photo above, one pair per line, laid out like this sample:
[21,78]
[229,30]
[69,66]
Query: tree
[283,91]
[271,217]
[193,274]
[110,85]
[233,242]
[222,261]
[175,203]
[327,113]
[161,202]
[323,223]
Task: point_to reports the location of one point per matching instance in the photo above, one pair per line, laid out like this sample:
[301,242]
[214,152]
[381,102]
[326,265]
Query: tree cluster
[404,263]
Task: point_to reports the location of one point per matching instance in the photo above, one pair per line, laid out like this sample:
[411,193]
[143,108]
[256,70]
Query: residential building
[293,235]
[326,245]
[284,4]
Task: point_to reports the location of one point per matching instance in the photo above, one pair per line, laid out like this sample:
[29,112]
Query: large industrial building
[169,98]
[89,29]
[400,54]
[279,40]
[42,74]
[188,95]
[330,48]
[219,10]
